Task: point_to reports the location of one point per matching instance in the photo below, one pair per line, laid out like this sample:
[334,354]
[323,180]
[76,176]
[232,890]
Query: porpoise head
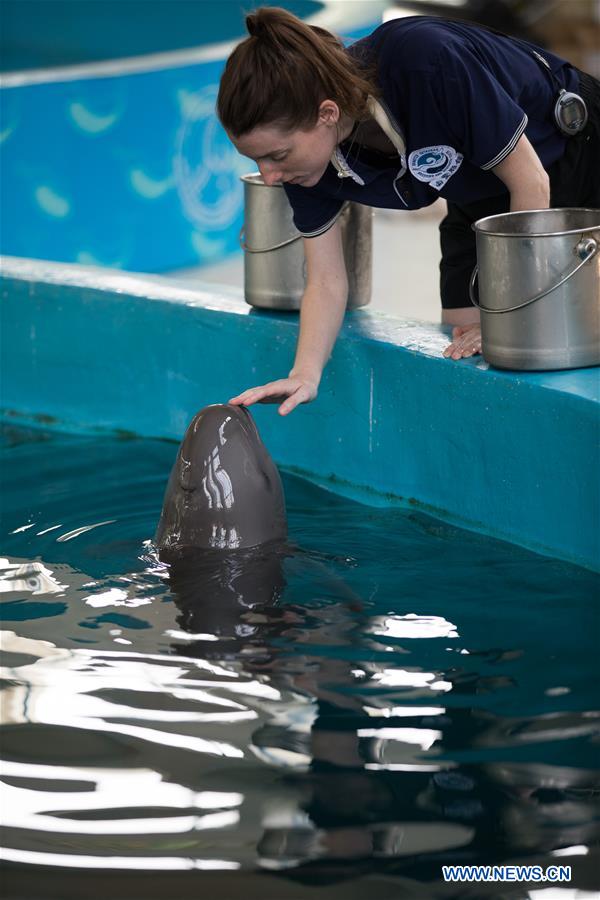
[224,491]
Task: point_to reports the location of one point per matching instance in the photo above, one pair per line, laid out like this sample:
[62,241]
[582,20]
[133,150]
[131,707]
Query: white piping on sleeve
[326,227]
[509,147]
[399,175]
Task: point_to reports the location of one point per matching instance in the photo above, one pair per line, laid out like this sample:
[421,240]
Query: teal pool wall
[49,33]
[514,455]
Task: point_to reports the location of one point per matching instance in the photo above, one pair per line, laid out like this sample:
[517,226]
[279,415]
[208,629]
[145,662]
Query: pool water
[386,695]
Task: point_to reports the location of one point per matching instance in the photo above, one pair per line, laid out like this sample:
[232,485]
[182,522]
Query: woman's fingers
[266,393]
[301,395]
[465,344]
[291,390]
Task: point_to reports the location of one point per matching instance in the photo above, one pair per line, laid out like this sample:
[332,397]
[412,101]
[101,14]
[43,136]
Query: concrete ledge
[514,455]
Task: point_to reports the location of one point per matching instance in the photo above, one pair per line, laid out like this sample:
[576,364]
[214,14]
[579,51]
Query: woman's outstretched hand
[293,390]
[466,341]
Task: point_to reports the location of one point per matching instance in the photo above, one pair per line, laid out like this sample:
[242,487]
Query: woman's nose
[270,173]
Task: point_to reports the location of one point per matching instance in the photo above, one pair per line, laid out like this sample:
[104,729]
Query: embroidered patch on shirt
[435,165]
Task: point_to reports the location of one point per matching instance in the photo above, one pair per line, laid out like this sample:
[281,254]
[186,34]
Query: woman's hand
[296,388]
[466,341]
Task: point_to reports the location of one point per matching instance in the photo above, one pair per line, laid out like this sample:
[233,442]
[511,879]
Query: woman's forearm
[321,316]
[536,196]
[525,177]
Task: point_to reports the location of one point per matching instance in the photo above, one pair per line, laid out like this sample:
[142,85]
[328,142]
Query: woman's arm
[323,303]
[529,187]
[525,177]
[321,315]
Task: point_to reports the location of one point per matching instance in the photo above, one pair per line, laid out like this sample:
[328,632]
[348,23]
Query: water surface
[387,695]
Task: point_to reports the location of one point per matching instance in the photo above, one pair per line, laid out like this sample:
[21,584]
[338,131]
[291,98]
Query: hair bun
[254,25]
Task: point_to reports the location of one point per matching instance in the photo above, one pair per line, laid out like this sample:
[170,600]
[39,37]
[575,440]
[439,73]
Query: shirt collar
[391,130]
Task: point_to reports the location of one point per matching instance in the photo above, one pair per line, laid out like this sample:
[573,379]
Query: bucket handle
[586,249]
[248,249]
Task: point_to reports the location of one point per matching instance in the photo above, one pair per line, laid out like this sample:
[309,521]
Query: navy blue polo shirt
[461,97]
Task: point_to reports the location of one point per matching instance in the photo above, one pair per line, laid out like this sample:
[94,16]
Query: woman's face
[299,156]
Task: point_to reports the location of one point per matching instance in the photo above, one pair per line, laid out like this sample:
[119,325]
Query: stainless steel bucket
[539,288]
[274,263]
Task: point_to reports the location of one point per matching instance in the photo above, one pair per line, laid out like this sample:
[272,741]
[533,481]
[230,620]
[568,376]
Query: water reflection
[406,696]
[28,577]
[396,790]
[377,765]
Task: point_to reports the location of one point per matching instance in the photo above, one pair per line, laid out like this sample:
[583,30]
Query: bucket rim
[255,178]
[528,234]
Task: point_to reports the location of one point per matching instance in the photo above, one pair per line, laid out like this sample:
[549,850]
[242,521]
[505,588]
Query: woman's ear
[329,113]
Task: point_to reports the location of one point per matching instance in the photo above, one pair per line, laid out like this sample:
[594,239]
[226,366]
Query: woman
[421,108]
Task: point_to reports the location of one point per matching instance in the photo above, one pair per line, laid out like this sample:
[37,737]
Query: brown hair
[283,72]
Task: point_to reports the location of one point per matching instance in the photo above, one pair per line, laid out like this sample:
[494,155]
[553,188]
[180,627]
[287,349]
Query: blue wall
[42,33]
[125,164]
[131,172]
[514,455]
